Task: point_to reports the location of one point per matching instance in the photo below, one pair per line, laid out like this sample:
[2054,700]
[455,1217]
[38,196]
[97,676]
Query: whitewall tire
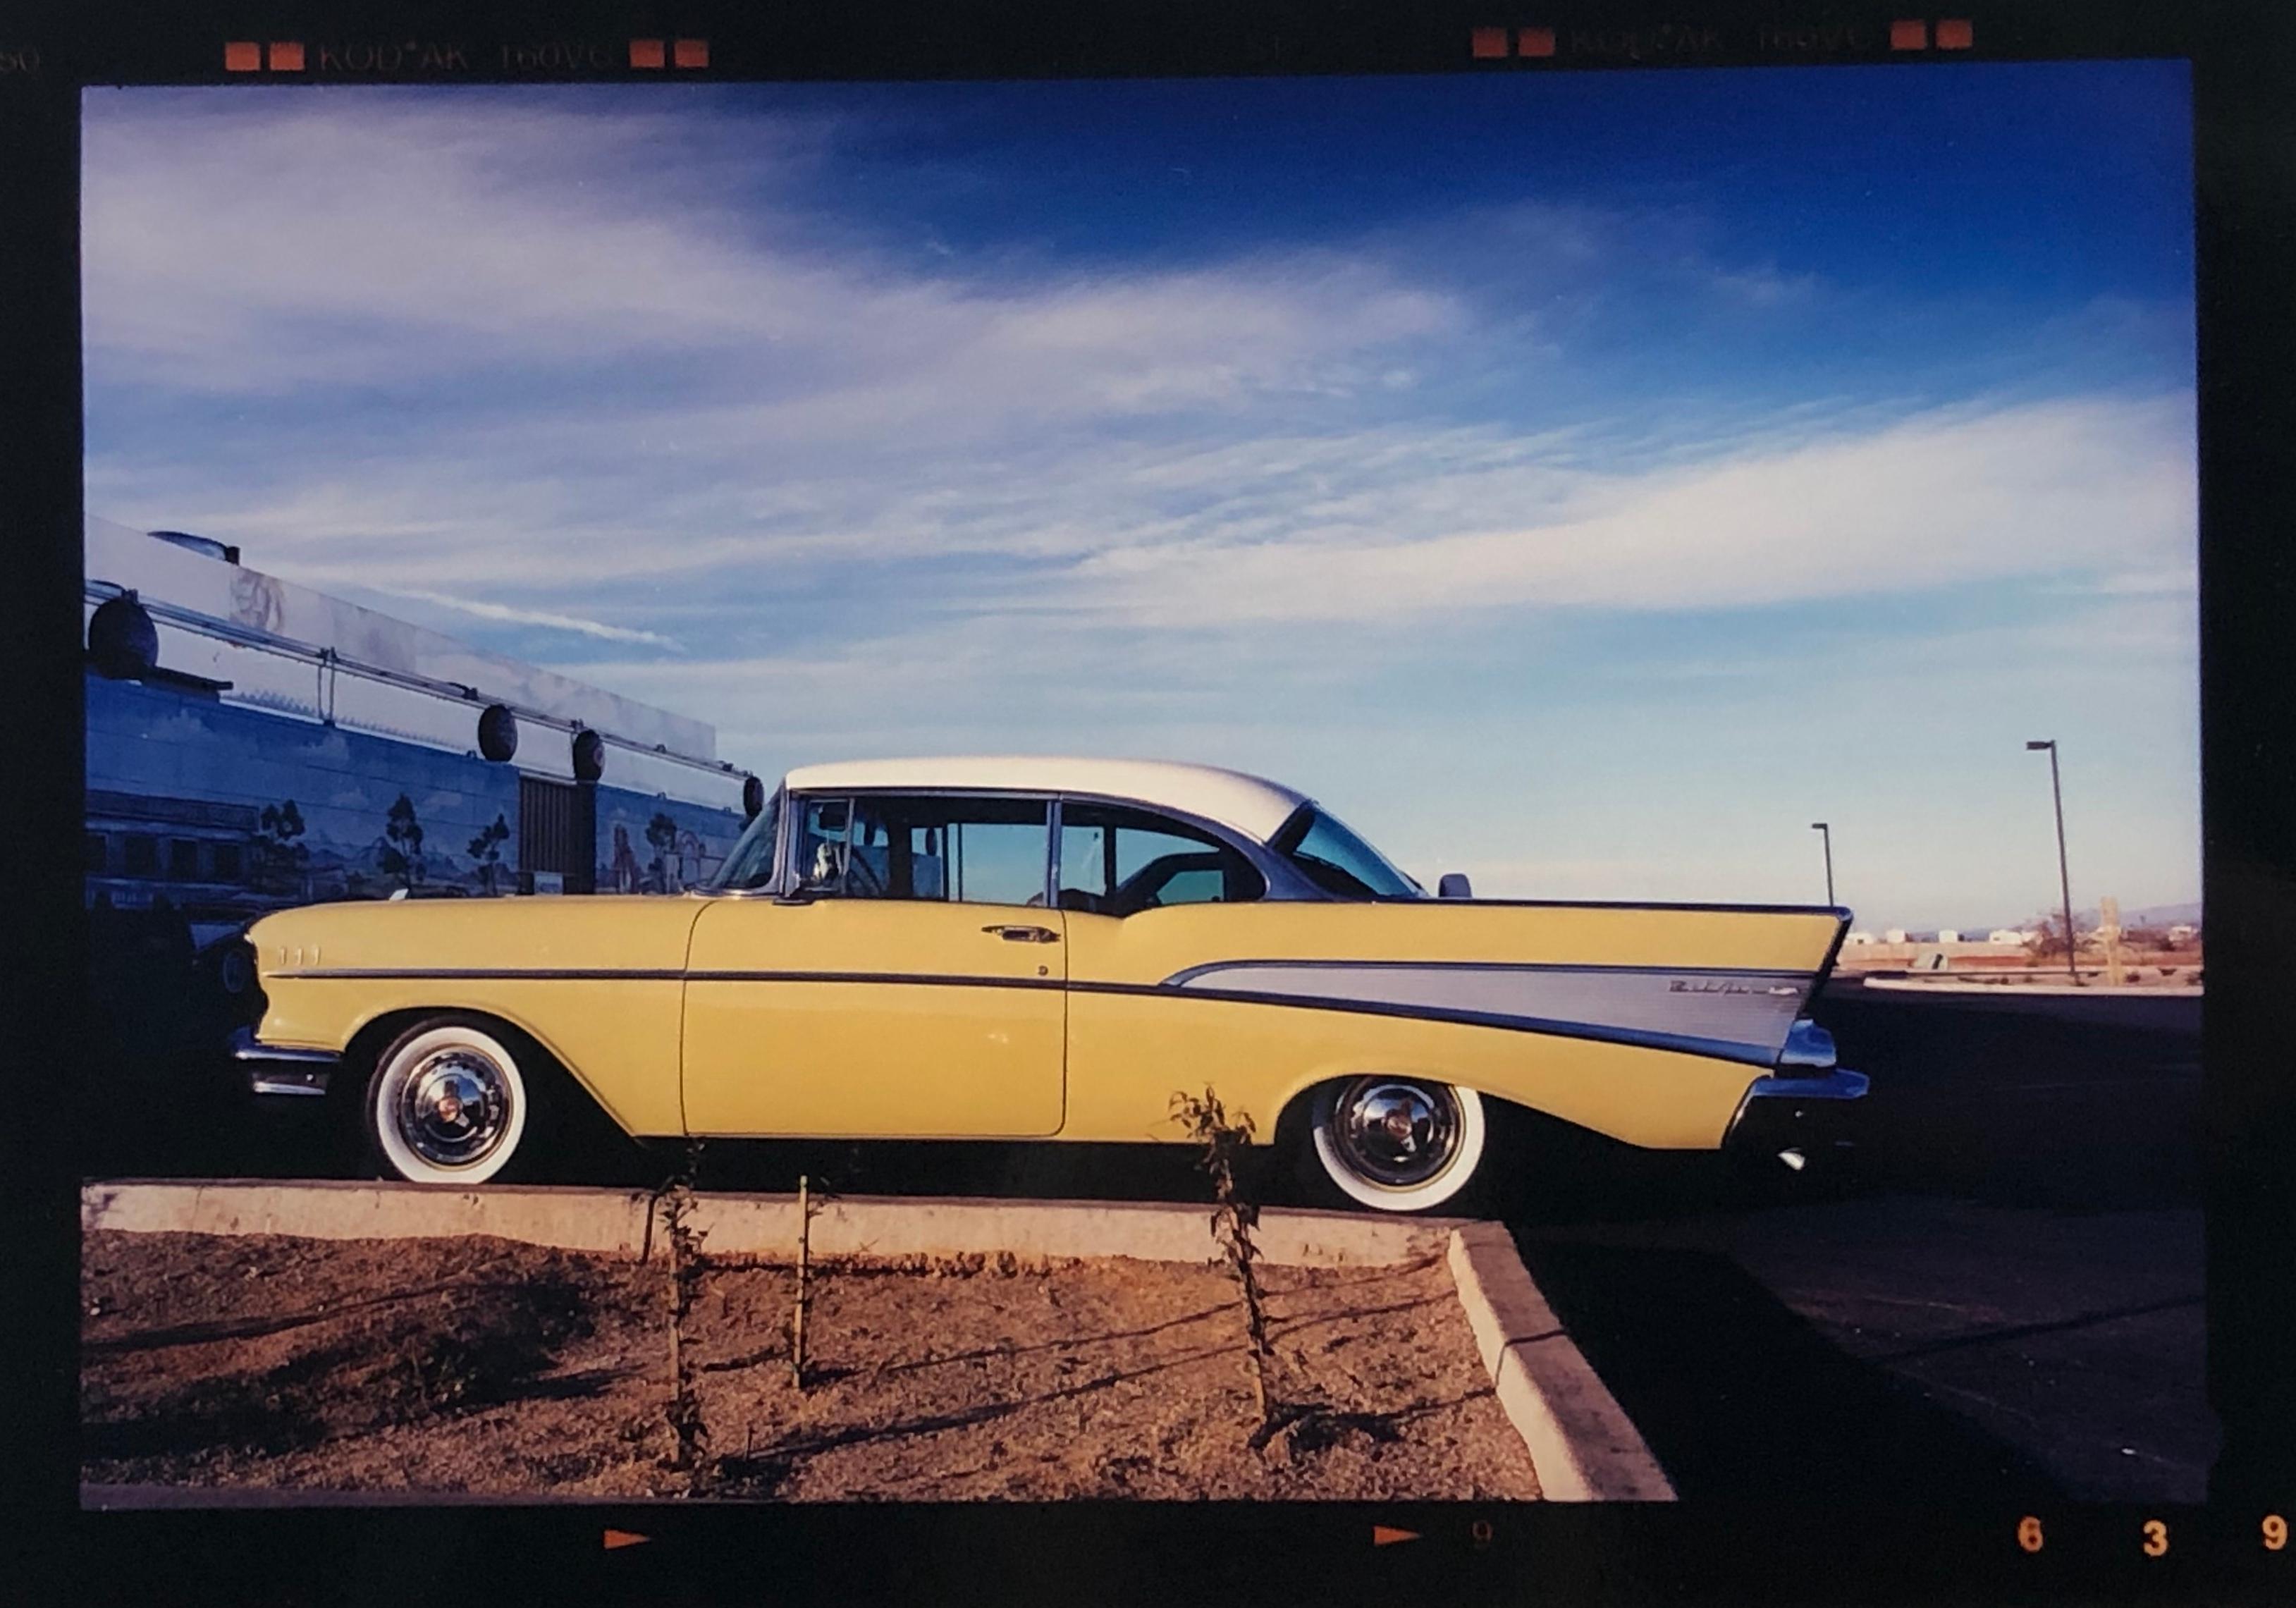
[1396,1143]
[447,1104]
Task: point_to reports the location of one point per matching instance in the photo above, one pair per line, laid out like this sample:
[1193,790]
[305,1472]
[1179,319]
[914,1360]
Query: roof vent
[204,545]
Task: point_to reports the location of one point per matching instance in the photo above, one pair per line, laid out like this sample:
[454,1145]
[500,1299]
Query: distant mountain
[2151,916]
[2162,915]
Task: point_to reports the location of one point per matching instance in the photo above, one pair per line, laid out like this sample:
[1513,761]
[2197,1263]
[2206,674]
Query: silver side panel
[1754,1010]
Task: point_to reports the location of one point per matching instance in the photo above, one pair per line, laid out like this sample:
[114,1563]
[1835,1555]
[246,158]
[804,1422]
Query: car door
[907,987]
[1148,896]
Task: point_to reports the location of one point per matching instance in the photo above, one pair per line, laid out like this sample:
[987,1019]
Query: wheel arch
[373,1035]
[1297,1108]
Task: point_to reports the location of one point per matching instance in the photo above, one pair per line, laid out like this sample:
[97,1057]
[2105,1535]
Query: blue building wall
[182,756]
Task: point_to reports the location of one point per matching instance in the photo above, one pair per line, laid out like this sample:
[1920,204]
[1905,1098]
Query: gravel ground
[479,1365]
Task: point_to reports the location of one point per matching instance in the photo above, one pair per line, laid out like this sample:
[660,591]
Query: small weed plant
[674,1202]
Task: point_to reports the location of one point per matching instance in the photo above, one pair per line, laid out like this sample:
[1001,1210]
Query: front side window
[1120,862]
[1338,861]
[948,848]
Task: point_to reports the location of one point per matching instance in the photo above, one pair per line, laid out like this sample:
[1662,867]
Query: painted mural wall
[657,844]
[224,811]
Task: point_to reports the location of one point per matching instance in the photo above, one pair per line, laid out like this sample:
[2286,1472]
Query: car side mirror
[1454,885]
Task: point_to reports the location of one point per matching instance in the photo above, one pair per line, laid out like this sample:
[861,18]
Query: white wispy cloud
[481,610]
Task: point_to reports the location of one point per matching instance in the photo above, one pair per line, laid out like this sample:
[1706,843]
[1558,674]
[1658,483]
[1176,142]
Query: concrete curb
[615,1222]
[1582,1444]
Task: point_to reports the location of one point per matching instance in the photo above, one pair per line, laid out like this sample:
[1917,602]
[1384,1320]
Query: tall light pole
[2064,879]
[1826,833]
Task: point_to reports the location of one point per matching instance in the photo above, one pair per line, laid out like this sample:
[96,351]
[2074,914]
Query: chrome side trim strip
[492,973]
[1718,1049]
[1182,979]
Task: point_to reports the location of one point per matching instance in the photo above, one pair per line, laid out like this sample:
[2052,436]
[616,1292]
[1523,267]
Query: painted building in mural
[253,743]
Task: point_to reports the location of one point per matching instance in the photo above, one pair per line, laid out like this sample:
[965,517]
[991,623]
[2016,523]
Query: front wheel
[1397,1143]
[447,1104]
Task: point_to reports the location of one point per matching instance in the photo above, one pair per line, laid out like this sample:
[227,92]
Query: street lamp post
[1826,834]
[2064,879]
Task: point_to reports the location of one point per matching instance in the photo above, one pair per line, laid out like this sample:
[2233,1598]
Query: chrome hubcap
[1395,1133]
[452,1107]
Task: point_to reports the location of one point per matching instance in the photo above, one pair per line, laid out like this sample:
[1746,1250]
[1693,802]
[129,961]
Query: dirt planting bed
[481,1365]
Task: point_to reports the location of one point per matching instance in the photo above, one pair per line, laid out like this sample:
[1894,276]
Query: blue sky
[1583,481]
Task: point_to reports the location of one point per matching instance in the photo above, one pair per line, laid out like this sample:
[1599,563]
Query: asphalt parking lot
[2000,1300]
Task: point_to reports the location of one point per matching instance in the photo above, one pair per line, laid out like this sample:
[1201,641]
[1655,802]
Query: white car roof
[1251,805]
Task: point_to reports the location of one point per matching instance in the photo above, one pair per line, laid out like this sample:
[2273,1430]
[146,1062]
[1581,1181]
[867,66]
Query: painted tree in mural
[401,852]
[661,834]
[487,849]
[277,850]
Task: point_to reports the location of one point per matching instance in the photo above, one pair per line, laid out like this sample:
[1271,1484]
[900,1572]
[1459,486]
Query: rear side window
[1120,862]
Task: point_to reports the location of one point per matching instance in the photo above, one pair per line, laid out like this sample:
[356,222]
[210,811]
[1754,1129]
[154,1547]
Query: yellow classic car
[1045,948]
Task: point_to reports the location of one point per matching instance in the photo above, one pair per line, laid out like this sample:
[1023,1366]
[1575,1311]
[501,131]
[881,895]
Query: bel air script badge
[1723,985]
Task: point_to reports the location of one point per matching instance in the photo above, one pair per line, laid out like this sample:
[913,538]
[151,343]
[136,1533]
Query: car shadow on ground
[2012,1109]
[1740,1399]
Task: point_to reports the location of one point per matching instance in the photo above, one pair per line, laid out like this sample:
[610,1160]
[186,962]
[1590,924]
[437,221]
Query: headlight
[237,971]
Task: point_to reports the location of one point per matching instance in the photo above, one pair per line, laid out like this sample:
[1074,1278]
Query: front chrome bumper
[280,1069]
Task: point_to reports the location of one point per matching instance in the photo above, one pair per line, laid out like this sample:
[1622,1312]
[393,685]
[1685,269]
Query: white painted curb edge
[1583,1446]
[616,1222]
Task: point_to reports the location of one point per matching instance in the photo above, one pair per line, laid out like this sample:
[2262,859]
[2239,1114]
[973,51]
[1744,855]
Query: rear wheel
[448,1102]
[1396,1143]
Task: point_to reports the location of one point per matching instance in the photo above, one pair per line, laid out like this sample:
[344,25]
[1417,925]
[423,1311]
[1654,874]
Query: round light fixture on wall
[498,732]
[121,639]
[589,756]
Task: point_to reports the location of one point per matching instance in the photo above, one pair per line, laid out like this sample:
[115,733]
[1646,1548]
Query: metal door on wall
[558,831]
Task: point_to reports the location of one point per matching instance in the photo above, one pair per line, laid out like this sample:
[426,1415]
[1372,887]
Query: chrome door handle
[1022,934]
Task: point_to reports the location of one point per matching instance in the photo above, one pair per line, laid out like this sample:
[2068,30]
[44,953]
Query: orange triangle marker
[625,1537]
[1386,1535]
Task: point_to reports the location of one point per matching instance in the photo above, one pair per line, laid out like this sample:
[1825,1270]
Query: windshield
[751,865]
[1338,861]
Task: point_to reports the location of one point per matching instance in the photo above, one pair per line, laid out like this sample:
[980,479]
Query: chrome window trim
[775,883]
[1285,881]
[1311,806]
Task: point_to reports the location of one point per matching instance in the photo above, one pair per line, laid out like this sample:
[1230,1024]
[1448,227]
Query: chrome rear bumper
[1803,1112]
[1796,1120]
[281,1070]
